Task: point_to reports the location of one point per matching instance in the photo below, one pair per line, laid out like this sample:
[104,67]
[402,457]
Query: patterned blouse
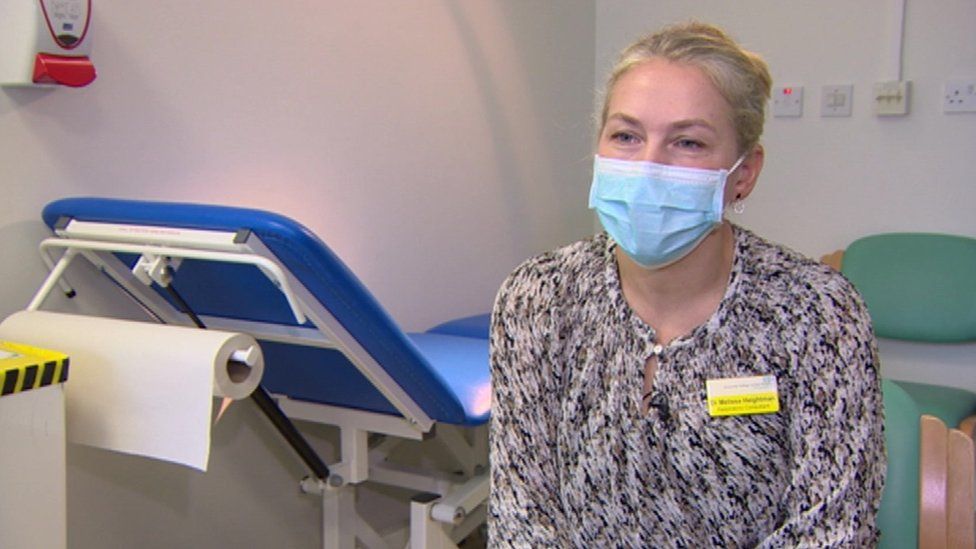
[576,463]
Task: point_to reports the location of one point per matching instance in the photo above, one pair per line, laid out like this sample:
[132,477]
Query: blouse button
[657,349]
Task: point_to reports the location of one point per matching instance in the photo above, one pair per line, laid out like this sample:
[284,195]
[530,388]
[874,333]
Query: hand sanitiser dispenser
[45,43]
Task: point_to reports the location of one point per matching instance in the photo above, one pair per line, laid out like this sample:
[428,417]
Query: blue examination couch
[332,354]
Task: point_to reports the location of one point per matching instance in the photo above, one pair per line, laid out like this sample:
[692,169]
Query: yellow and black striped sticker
[23,367]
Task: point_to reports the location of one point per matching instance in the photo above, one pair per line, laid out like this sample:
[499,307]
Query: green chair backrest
[917,286]
[950,404]
[898,515]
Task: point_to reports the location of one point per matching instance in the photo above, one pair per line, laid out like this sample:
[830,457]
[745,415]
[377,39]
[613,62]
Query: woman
[677,380]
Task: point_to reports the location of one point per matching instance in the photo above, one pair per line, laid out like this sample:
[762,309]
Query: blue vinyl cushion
[443,373]
[469,326]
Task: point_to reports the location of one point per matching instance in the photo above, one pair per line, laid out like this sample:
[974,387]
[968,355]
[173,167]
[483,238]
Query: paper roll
[141,388]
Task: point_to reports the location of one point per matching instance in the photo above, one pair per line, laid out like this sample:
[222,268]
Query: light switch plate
[891,98]
[837,100]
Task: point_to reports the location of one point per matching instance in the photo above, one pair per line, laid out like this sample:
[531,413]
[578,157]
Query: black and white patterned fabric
[576,463]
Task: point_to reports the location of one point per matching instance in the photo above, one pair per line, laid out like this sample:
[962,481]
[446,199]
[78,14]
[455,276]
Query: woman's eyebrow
[625,118]
[693,123]
[676,125]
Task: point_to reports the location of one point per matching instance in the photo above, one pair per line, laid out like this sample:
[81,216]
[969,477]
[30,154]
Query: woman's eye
[624,138]
[689,144]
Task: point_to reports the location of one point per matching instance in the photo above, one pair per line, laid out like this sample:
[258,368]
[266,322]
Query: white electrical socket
[787,101]
[960,96]
[891,98]
[836,100]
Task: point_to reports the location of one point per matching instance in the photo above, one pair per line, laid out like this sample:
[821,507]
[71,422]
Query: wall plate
[837,100]
[960,96]
[787,101]
[891,98]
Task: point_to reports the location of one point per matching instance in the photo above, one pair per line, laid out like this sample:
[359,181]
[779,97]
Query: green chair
[898,516]
[918,287]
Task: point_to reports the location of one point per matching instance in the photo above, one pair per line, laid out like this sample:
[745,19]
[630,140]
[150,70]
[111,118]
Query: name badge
[740,396]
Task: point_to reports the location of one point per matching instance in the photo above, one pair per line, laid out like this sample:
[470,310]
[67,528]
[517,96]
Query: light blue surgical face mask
[657,213]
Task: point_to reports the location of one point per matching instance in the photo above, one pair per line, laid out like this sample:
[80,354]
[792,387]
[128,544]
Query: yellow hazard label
[23,367]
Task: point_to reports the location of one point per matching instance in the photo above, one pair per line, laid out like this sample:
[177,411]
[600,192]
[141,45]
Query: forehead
[657,90]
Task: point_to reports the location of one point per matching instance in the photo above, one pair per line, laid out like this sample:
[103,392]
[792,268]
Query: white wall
[433,144]
[828,181]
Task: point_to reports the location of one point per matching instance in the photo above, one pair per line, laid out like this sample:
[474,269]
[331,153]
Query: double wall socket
[960,96]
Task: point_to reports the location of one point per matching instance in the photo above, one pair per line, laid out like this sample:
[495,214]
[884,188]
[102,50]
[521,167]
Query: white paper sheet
[140,388]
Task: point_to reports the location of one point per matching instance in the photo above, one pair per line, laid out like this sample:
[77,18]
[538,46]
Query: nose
[654,152]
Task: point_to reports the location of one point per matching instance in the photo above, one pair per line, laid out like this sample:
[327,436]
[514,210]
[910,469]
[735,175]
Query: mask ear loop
[737,163]
[737,205]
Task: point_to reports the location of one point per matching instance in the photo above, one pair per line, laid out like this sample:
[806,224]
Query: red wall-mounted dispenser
[45,43]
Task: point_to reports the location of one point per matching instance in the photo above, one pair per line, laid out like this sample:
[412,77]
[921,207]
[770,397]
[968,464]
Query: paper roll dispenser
[45,42]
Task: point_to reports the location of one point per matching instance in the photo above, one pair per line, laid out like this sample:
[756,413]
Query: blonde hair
[740,76]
